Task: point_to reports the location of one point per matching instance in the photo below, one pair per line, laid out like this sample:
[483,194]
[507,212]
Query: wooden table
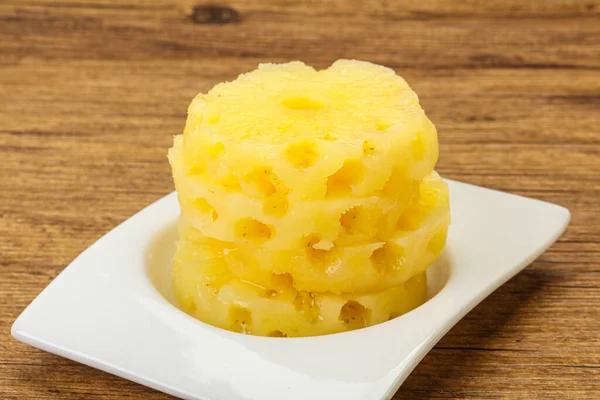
[91,93]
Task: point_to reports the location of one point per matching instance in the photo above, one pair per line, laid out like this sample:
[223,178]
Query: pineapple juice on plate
[309,200]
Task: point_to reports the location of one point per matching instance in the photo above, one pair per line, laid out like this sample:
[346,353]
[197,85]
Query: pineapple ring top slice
[320,133]
[277,102]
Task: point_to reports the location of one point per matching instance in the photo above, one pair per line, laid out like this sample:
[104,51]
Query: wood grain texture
[91,93]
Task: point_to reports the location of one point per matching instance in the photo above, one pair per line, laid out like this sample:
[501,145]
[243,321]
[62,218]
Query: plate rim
[22,328]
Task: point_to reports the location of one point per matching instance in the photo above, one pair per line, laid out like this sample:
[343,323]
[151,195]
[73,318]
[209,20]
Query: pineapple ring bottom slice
[207,290]
[417,242]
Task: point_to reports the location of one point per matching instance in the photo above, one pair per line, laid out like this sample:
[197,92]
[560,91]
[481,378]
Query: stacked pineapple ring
[309,201]
[207,288]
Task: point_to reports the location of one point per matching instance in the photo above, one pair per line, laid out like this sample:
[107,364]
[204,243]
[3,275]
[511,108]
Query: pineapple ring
[418,241]
[323,134]
[273,223]
[207,290]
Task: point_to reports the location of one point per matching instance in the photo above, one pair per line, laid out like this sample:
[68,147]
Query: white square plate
[110,309]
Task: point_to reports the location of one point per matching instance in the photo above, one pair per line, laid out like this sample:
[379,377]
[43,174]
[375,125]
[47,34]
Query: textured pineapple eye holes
[302,103]
[354,315]
[305,304]
[353,220]
[316,254]
[304,300]
[276,205]
[241,319]
[283,281]
[386,256]
[341,182]
[269,294]
[204,208]
[251,229]
[261,181]
[160,273]
[302,155]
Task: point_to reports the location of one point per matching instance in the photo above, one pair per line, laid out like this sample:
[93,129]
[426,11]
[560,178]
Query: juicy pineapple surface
[308,198]
[418,240]
[348,119]
[274,222]
[208,290]
[287,150]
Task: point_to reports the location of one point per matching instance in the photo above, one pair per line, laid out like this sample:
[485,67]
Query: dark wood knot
[217,15]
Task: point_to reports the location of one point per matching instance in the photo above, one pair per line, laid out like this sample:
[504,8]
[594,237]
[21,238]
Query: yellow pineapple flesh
[269,144]
[336,123]
[308,198]
[417,241]
[276,222]
[208,290]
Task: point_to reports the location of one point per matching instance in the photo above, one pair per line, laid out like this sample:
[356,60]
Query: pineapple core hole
[437,242]
[341,182]
[251,229]
[241,319]
[302,155]
[386,257]
[302,103]
[205,209]
[354,315]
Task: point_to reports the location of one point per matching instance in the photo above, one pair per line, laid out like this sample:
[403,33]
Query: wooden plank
[281,33]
